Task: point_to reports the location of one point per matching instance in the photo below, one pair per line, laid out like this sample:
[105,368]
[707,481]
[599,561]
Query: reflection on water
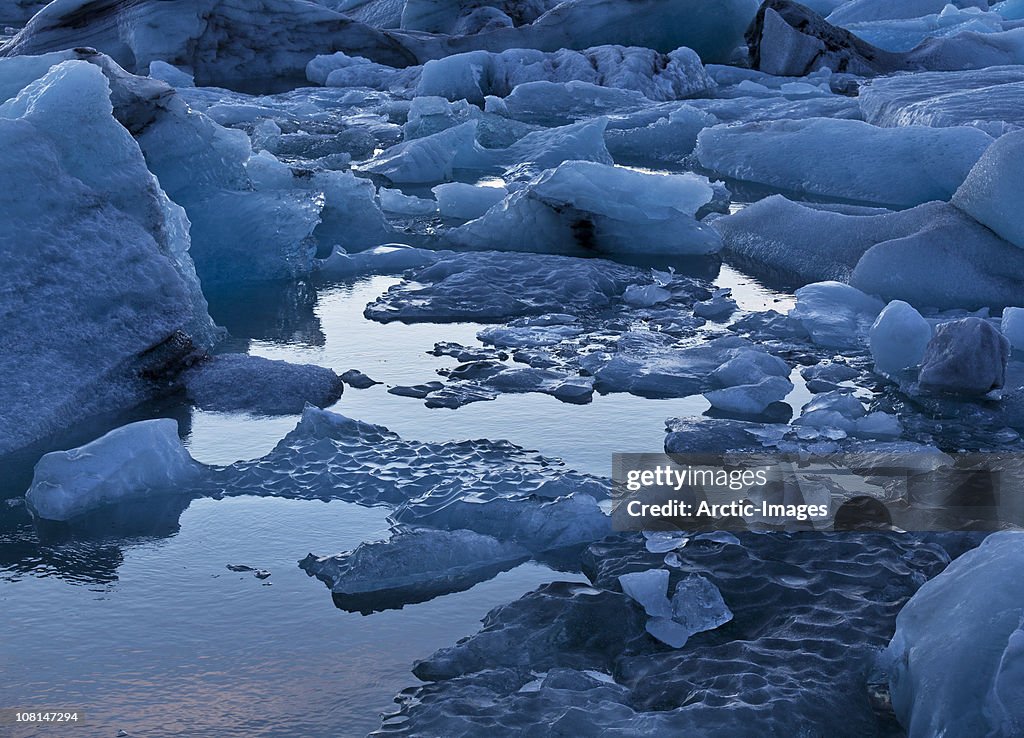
[131,614]
[177,644]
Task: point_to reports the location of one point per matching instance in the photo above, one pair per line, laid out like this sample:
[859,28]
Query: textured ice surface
[994,191]
[466,201]
[135,461]
[900,167]
[16,12]
[966,356]
[808,611]
[257,385]
[989,99]
[955,660]
[898,337]
[475,75]
[103,292]
[412,566]
[585,207]
[494,287]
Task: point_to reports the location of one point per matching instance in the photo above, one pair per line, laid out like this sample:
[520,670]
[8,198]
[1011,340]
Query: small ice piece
[750,399]
[718,536]
[418,391]
[1012,326]
[645,295]
[386,259]
[826,376]
[252,383]
[357,380]
[750,366]
[131,462]
[649,589]
[668,631]
[662,541]
[966,356]
[898,337]
[835,314]
[721,305]
[466,201]
[697,605]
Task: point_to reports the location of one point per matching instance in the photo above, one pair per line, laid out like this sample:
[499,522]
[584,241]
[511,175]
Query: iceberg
[966,356]
[588,207]
[412,566]
[134,461]
[231,382]
[955,660]
[107,297]
[898,167]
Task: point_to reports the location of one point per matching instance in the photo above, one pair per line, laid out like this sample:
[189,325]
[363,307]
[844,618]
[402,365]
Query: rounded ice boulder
[898,337]
[131,462]
[966,356]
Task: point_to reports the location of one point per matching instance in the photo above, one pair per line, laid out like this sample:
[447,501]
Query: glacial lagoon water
[155,636]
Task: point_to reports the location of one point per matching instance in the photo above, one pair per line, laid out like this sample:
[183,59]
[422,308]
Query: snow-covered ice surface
[526,236]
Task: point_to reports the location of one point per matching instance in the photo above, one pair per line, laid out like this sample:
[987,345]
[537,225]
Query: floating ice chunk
[395,201]
[170,74]
[668,631]
[474,75]
[466,201]
[898,337]
[860,11]
[585,206]
[993,192]
[387,259]
[955,661]
[667,140]
[750,366]
[108,294]
[646,295]
[131,462]
[900,167]
[356,379]
[836,315]
[413,566]
[827,376]
[258,385]
[663,541]
[341,70]
[436,157]
[698,606]
[649,589]
[750,399]
[966,356]
[720,306]
[1012,326]
[561,103]
[494,287]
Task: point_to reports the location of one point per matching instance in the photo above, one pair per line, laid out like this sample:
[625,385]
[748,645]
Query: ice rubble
[587,207]
[100,257]
[898,337]
[967,356]
[898,167]
[540,660]
[251,383]
[954,661]
[136,460]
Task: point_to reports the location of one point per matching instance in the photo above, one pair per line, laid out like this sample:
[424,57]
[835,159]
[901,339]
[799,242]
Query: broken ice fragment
[649,589]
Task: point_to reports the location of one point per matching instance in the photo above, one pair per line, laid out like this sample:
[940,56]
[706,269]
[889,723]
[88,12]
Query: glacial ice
[898,337]
[898,167]
[478,74]
[965,356]
[650,590]
[835,314]
[587,207]
[263,386]
[1012,326]
[751,398]
[955,660]
[466,201]
[412,566]
[993,192]
[100,258]
[386,259]
[131,462]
